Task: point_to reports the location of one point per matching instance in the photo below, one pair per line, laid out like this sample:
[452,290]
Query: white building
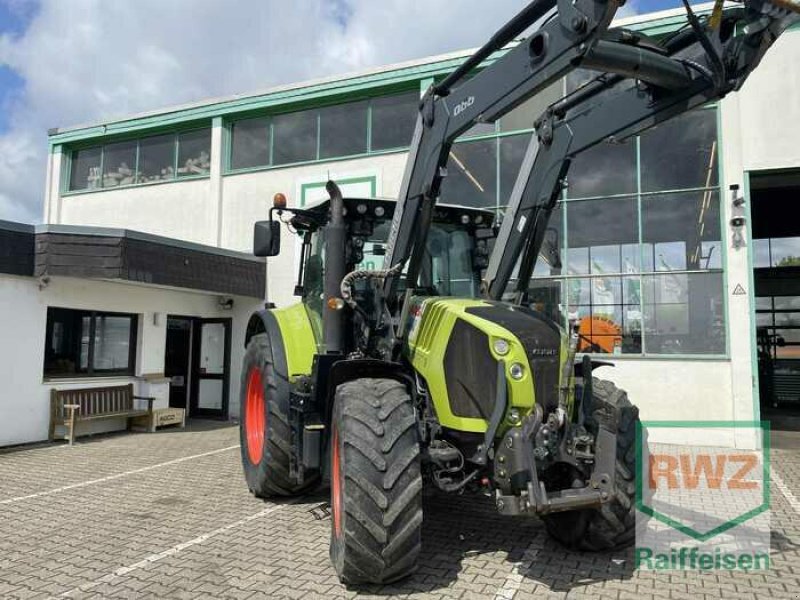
[675,291]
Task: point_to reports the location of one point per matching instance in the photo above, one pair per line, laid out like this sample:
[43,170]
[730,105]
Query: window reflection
[119,162]
[681,153]
[683,313]
[777,252]
[343,130]
[294,137]
[393,120]
[607,311]
[604,170]
[156,159]
[85,169]
[681,231]
[471,175]
[603,236]
[194,153]
[250,143]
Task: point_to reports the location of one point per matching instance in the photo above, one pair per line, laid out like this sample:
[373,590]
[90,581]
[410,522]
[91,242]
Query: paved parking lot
[168,516]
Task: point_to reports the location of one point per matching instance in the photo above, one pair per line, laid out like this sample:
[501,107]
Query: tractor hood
[456,344]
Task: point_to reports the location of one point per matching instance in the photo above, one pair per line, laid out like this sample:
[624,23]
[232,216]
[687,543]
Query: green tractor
[435,370]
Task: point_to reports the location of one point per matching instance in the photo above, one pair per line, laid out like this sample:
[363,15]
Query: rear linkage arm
[698,67]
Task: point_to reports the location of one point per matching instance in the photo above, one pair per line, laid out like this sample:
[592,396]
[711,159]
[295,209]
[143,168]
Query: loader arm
[699,65]
[610,108]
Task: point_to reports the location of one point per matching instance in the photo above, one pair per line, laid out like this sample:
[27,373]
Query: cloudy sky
[65,62]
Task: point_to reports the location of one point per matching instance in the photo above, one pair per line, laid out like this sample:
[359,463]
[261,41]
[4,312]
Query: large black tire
[614,525]
[264,431]
[376,485]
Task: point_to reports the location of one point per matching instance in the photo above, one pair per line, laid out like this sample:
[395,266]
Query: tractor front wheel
[264,431]
[376,485]
[613,525]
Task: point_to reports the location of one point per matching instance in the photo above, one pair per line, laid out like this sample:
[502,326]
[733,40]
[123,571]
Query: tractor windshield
[447,268]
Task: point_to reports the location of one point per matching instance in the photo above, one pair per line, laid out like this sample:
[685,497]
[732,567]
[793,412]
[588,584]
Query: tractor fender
[265,322]
[343,371]
[596,364]
[291,338]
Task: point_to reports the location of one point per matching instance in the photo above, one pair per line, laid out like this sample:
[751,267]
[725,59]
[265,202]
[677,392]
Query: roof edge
[141,236]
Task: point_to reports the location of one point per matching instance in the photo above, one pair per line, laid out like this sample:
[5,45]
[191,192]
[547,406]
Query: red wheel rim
[336,485]
[254,416]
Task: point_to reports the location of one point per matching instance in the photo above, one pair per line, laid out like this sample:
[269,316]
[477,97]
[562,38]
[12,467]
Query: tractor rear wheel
[376,485]
[613,525]
[264,431]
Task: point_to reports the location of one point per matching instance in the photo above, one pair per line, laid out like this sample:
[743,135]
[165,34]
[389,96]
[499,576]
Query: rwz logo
[688,470]
[463,105]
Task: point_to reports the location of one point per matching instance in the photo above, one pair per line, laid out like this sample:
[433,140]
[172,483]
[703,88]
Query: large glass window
[604,170]
[350,129]
[471,175]
[194,153]
[89,343]
[681,231]
[684,313]
[777,252]
[149,159]
[393,120]
[343,130]
[294,137]
[85,172]
[156,159]
[778,319]
[119,164]
[250,142]
[603,236]
[681,153]
[642,266]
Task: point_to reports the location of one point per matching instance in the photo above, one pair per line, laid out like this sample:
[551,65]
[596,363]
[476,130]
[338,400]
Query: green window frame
[174,171]
[318,110]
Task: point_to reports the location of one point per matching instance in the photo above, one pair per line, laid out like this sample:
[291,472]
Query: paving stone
[145,534]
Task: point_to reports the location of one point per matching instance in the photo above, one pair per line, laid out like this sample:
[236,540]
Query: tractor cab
[457,248]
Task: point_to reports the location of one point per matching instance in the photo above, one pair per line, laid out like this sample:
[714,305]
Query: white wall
[184,210]
[24,395]
[760,129]
[768,115]
[678,390]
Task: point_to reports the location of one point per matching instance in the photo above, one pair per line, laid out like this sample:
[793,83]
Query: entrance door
[776,260]
[211,368]
[177,359]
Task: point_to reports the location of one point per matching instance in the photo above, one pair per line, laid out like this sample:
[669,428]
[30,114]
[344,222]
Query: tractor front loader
[434,370]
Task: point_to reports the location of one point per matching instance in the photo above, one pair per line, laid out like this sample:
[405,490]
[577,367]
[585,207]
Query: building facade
[690,306]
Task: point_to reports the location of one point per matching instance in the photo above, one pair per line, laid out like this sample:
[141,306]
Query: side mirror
[550,249]
[267,238]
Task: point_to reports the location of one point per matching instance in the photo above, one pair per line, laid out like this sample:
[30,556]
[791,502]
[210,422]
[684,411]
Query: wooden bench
[69,407]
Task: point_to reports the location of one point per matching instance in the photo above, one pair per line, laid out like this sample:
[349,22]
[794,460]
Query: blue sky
[14,19]
[16,15]
[64,62]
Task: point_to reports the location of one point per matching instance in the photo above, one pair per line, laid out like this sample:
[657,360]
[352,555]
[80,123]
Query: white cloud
[88,60]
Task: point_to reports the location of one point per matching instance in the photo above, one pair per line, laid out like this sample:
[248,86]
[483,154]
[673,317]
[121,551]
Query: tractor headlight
[379,211]
[517,371]
[501,347]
